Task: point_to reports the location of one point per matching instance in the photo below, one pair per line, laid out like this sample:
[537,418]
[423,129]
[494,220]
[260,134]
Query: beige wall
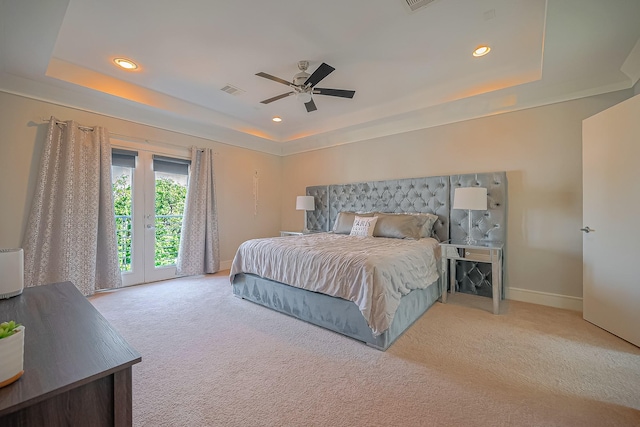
[540,148]
[22,135]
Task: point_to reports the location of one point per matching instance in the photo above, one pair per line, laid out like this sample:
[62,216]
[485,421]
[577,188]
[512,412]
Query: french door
[149,196]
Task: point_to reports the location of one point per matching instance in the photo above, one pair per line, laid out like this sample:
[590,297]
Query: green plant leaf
[8,328]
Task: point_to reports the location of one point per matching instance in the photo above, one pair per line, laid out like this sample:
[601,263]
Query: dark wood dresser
[77,367]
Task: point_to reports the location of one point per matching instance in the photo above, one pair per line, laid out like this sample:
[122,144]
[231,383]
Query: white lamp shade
[470,198]
[305,203]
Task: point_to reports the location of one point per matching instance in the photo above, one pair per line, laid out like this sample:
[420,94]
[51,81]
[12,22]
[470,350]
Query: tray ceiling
[409,69]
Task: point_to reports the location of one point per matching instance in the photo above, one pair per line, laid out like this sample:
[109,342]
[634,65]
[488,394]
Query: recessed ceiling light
[481,51]
[127,64]
[277,119]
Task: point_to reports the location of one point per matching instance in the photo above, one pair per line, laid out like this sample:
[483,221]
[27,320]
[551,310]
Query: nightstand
[298,233]
[488,252]
[290,233]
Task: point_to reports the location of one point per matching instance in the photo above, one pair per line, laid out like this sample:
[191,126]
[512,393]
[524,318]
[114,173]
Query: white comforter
[373,272]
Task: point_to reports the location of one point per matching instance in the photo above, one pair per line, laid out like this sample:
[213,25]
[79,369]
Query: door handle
[587,229]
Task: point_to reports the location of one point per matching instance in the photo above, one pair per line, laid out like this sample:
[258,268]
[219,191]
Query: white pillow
[363,226]
[344,221]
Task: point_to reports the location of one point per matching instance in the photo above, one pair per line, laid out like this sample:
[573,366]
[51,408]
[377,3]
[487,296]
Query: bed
[344,297]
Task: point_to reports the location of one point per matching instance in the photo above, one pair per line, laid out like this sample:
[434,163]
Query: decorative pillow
[427,228]
[399,226]
[344,221]
[363,226]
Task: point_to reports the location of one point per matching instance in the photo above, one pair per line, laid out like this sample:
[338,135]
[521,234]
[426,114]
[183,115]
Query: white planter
[11,357]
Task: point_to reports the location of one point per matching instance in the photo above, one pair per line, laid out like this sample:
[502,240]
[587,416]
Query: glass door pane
[149,203]
[121,179]
[170,195]
[129,255]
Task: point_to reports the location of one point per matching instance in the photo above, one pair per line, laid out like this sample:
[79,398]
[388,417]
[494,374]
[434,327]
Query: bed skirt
[333,313]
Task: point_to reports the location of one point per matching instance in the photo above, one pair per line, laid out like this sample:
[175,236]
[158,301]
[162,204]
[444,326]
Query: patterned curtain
[199,253]
[71,233]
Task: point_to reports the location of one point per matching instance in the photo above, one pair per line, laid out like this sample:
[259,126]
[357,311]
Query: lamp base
[469,241]
[305,230]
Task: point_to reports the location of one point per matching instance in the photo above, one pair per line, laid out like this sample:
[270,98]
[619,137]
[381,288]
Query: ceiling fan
[304,84]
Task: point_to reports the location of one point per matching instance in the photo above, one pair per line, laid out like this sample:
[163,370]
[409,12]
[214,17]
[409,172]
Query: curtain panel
[199,247]
[71,232]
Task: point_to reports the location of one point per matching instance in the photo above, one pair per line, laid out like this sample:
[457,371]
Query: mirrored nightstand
[299,233]
[290,233]
[487,252]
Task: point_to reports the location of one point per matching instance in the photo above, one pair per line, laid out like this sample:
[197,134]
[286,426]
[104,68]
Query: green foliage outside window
[169,204]
[122,205]
[170,198]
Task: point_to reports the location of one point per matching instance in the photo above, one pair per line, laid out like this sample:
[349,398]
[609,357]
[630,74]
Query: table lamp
[305,203]
[471,199]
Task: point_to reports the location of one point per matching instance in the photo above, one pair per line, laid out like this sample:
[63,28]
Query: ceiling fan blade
[311,106]
[274,78]
[334,92]
[275,98]
[320,73]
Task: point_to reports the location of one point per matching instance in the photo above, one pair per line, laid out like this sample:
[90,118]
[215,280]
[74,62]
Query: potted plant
[11,352]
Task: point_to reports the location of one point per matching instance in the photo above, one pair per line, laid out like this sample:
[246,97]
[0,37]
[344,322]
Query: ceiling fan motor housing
[300,78]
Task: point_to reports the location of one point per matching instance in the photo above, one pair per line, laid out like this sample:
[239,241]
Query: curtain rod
[58,122]
[125,137]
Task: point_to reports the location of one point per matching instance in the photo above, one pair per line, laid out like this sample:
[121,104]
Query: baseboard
[545,298]
[225,265]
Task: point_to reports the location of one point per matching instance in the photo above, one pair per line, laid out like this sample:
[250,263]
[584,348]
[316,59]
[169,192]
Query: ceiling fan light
[303,97]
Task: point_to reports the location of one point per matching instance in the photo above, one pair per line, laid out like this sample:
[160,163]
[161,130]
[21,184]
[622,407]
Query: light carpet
[210,359]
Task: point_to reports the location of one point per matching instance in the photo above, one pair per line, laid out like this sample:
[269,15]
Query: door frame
[141,218]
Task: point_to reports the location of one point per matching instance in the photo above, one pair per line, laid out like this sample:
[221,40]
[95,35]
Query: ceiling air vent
[232,90]
[415,5]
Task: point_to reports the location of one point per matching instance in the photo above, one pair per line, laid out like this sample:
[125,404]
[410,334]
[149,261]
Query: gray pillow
[430,220]
[399,226]
[427,228]
[344,221]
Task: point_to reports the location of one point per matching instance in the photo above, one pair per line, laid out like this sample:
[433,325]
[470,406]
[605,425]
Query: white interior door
[149,195]
[611,207]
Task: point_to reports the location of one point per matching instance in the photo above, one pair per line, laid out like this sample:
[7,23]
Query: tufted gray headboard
[489,225]
[318,220]
[421,195]
[424,195]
